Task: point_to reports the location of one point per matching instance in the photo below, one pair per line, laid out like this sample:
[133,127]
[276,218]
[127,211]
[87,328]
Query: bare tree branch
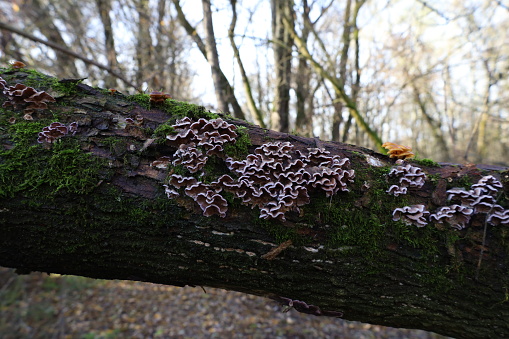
[59,48]
[255,112]
[338,86]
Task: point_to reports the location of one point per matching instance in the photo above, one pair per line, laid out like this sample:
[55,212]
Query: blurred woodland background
[429,74]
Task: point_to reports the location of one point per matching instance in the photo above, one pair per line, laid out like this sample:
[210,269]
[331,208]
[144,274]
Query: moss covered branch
[323,240]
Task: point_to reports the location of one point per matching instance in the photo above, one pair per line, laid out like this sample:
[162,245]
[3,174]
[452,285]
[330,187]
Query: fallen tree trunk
[91,202]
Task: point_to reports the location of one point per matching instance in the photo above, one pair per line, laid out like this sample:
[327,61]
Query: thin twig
[484,239]
[66,51]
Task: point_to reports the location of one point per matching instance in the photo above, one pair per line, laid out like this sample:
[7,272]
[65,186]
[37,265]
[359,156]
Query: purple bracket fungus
[190,157]
[479,199]
[465,197]
[499,218]
[481,196]
[161,162]
[138,122]
[73,128]
[178,181]
[274,178]
[210,135]
[3,84]
[455,215]
[274,181]
[56,130]
[396,190]
[212,204]
[207,197]
[488,184]
[170,192]
[411,215]
[199,187]
[485,204]
[20,94]
[409,177]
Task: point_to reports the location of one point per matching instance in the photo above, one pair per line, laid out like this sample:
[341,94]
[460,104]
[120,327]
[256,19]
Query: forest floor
[53,306]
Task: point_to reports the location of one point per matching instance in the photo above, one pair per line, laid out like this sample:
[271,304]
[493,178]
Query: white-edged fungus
[408,176]
[56,130]
[190,157]
[488,184]
[499,218]
[480,198]
[178,181]
[212,203]
[20,94]
[455,215]
[274,178]
[411,215]
[161,162]
[170,192]
[396,190]
[276,182]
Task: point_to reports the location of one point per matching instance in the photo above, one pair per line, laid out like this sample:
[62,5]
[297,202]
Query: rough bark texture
[91,205]
[224,85]
[282,48]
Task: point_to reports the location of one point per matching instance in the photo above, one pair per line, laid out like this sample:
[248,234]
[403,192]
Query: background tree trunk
[221,83]
[282,47]
[213,57]
[40,16]
[92,205]
[104,8]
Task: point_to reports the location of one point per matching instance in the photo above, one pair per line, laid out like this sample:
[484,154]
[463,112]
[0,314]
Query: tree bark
[104,8]
[213,57]
[303,89]
[144,45]
[256,114]
[338,85]
[223,81]
[282,10]
[91,204]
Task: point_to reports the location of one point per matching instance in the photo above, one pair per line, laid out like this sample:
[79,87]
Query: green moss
[180,170]
[66,88]
[31,167]
[352,228]
[113,144]
[279,231]
[44,82]
[66,160]
[162,131]
[178,109]
[25,132]
[464,181]
[102,90]
[181,109]
[426,162]
[239,149]
[433,178]
[141,99]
